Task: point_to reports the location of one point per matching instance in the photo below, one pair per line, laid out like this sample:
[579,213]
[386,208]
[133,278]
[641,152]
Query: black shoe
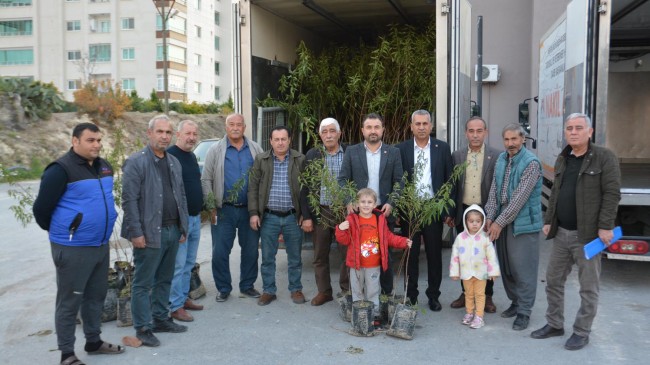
[510,312]
[546,332]
[250,293]
[435,305]
[521,322]
[168,325]
[576,342]
[222,297]
[147,338]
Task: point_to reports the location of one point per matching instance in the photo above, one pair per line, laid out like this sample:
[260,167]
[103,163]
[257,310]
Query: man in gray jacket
[225,179]
[582,206]
[155,221]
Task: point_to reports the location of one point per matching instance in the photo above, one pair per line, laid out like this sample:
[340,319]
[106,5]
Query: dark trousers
[432,237]
[81,283]
[234,221]
[322,237]
[154,270]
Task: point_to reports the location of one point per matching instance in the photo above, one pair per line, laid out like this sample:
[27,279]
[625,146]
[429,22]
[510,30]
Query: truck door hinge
[602,7]
[444,8]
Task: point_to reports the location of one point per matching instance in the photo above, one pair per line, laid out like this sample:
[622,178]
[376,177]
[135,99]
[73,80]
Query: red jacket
[351,237]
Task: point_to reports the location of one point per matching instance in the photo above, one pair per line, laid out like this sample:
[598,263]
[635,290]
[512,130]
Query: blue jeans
[185,260]
[272,225]
[154,270]
[230,221]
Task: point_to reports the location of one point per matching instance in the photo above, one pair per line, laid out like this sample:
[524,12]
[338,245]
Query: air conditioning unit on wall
[490,73]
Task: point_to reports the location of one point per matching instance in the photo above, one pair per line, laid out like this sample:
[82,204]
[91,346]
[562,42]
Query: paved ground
[240,331]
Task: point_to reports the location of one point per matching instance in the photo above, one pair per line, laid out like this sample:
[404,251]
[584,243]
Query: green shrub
[39,100]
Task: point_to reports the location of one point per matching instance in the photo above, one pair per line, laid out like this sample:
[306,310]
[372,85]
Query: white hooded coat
[473,255]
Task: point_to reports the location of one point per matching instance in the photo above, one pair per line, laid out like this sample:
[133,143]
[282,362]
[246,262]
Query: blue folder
[594,247]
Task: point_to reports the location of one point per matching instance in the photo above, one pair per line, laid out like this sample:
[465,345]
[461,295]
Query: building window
[198,31]
[128,84]
[128,23]
[197,59]
[15,27]
[74,84]
[198,4]
[175,83]
[216,42]
[74,55]
[177,24]
[216,18]
[174,53]
[128,54]
[8,3]
[104,26]
[217,93]
[216,68]
[10,57]
[197,87]
[73,25]
[100,52]
[100,1]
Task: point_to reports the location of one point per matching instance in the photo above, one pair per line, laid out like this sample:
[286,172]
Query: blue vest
[90,192]
[529,219]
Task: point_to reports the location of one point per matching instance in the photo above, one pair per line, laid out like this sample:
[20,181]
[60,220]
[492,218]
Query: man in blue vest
[75,205]
[514,209]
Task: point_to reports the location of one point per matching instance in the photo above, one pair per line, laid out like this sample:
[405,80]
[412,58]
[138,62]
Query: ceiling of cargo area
[345,18]
[630,24]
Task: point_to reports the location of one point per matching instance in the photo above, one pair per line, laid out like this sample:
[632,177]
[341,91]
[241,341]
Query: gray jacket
[142,201]
[212,179]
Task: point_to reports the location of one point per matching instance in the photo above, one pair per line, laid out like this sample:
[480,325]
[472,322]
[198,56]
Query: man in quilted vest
[514,209]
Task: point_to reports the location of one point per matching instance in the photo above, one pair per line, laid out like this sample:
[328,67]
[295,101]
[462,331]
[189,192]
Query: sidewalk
[239,331]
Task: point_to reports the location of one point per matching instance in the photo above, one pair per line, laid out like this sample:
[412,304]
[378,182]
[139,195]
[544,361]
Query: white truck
[594,60]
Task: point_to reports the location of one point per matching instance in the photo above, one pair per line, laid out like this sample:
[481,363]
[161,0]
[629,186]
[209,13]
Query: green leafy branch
[418,209]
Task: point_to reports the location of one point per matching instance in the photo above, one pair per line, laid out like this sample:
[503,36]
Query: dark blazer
[355,169]
[489,160]
[313,154]
[441,164]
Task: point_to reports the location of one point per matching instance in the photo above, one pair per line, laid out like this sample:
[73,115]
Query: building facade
[71,42]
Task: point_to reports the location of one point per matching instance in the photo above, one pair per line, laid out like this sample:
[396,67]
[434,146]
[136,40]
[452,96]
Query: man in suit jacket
[375,165]
[435,155]
[473,187]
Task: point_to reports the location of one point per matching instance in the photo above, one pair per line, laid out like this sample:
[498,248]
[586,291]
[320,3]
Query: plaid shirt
[511,205]
[333,163]
[280,194]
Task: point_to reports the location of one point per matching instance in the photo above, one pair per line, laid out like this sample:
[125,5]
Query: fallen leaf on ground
[354,350]
[41,333]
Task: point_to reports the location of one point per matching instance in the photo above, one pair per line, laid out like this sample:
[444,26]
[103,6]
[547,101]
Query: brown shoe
[489,305]
[321,299]
[298,297]
[266,298]
[181,315]
[460,302]
[190,305]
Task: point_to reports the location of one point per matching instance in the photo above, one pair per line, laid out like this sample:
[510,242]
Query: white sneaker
[467,319]
[477,322]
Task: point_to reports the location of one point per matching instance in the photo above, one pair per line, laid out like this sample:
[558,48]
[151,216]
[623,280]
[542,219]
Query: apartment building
[70,42]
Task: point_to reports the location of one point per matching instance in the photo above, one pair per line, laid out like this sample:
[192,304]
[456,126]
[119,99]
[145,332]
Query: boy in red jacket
[368,234]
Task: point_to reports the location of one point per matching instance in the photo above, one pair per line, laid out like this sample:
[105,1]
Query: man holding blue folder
[582,206]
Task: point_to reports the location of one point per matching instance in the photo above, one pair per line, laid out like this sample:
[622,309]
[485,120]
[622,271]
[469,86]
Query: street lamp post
[165,15]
